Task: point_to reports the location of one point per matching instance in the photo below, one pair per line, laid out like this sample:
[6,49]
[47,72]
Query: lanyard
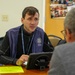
[23,42]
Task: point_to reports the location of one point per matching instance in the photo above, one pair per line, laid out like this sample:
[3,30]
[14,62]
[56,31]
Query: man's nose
[33,22]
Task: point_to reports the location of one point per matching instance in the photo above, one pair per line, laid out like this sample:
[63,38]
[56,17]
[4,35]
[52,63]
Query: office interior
[10,16]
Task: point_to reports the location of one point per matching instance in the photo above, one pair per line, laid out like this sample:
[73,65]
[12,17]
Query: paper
[11,69]
[25,63]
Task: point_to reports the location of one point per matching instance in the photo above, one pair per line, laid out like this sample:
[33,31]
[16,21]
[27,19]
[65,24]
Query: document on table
[11,69]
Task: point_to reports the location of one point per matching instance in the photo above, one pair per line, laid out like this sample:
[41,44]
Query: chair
[1,40]
[54,39]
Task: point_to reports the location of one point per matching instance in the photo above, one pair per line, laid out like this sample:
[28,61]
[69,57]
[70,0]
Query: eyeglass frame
[63,32]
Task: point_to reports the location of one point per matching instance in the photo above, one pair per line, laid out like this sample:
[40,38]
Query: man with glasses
[63,58]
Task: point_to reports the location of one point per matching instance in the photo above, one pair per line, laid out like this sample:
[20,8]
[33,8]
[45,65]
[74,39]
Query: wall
[10,13]
[53,26]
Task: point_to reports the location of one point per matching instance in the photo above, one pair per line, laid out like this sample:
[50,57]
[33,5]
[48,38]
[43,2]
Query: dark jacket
[37,45]
[5,52]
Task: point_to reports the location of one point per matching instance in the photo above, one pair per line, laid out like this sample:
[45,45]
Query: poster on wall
[59,8]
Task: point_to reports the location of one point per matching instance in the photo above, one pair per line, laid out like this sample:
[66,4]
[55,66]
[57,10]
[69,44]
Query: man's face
[65,33]
[69,36]
[30,22]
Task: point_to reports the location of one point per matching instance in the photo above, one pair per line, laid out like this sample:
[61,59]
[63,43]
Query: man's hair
[30,10]
[69,21]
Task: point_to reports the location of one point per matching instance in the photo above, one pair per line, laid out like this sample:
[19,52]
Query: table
[30,72]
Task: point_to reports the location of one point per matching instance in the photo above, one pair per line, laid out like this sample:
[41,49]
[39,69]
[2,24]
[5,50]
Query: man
[19,42]
[63,58]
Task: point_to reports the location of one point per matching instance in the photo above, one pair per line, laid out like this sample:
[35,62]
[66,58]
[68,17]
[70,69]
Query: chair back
[1,40]
[54,39]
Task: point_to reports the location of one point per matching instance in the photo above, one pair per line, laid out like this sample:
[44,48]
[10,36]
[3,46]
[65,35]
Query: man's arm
[5,45]
[47,47]
[56,65]
[5,52]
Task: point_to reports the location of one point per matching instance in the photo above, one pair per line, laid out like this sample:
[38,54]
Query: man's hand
[22,59]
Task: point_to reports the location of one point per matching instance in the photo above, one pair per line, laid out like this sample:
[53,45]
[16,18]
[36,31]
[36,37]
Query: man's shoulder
[38,28]
[63,49]
[66,45]
[14,29]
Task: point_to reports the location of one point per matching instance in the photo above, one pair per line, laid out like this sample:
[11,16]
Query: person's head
[69,26]
[30,18]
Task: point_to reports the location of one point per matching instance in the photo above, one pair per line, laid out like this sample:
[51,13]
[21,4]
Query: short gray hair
[69,21]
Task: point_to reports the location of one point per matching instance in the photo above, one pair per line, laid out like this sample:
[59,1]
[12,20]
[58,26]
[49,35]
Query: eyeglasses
[63,32]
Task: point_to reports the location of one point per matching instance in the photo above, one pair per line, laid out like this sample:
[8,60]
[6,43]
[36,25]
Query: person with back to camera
[28,38]
[63,58]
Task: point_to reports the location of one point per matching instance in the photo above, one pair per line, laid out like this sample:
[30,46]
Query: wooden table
[30,72]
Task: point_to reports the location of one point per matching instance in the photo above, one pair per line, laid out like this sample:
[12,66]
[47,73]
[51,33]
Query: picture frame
[59,8]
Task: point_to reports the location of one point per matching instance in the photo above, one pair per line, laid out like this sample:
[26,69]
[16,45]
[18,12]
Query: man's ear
[22,20]
[68,34]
